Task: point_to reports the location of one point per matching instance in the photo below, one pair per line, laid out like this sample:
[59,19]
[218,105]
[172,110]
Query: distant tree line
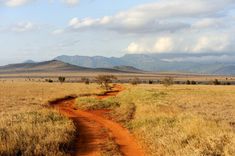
[105,80]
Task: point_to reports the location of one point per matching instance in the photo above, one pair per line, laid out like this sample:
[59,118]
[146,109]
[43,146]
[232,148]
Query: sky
[43,29]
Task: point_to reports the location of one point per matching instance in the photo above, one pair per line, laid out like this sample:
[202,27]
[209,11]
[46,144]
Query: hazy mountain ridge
[127,68]
[207,63]
[51,66]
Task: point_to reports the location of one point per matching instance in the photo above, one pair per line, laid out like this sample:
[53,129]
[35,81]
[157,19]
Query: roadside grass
[40,132]
[167,129]
[180,120]
[92,103]
[28,126]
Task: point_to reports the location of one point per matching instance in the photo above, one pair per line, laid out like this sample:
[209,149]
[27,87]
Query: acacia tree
[105,80]
[61,79]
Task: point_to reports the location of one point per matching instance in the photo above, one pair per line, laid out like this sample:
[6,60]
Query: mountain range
[219,64]
[54,66]
[206,63]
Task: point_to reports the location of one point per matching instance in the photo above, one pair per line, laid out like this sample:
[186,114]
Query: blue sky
[41,30]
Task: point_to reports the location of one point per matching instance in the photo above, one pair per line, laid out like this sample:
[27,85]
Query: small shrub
[85,80]
[135,81]
[216,82]
[49,80]
[228,83]
[188,82]
[168,81]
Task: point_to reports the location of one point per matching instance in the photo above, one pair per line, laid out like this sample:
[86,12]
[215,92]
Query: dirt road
[94,129]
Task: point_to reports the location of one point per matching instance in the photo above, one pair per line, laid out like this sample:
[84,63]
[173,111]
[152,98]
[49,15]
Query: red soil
[93,129]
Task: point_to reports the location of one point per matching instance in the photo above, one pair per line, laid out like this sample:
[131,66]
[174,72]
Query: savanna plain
[181,120]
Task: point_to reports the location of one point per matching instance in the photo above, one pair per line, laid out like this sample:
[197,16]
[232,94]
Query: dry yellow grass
[178,120]
[26,126]
[183,120]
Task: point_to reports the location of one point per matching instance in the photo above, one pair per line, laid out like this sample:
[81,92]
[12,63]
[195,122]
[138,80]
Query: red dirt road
[93,129]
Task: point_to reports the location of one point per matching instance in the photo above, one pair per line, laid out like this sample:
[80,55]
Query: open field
[26,126]
[122,77]
[178,120]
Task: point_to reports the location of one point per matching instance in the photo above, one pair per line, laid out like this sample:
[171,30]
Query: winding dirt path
[94,129]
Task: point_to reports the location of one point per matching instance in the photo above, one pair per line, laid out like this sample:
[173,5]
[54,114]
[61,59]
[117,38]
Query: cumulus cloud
[164,44]
[164,15]
[137,48]
[186,42]
[211,43]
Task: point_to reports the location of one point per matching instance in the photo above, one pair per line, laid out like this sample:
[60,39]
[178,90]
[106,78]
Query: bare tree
[105,80]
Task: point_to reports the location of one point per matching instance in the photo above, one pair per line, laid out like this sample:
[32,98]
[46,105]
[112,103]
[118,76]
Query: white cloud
[15,3]
[71,2]
[136,48]
[86,22]
[211,43]
[23,27]
[164,15]
[164,44]
[184,42]
[208,23]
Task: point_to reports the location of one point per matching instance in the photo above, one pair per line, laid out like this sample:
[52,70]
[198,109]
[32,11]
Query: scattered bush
[61,79]
[188,82]
[168,81]
[85,80]
[135,81]
[49,80]
[228,83]
[216,82]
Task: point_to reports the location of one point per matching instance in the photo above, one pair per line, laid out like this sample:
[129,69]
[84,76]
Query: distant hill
[207,63]
[29,61]
[127,68]
[51,66]
[91,62]
[227,70]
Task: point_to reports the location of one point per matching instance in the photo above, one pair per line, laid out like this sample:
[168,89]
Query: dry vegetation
[179,120]
[26,126]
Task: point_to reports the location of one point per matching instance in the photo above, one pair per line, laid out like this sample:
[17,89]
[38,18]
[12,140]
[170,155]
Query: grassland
[27,126]
[179,120]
